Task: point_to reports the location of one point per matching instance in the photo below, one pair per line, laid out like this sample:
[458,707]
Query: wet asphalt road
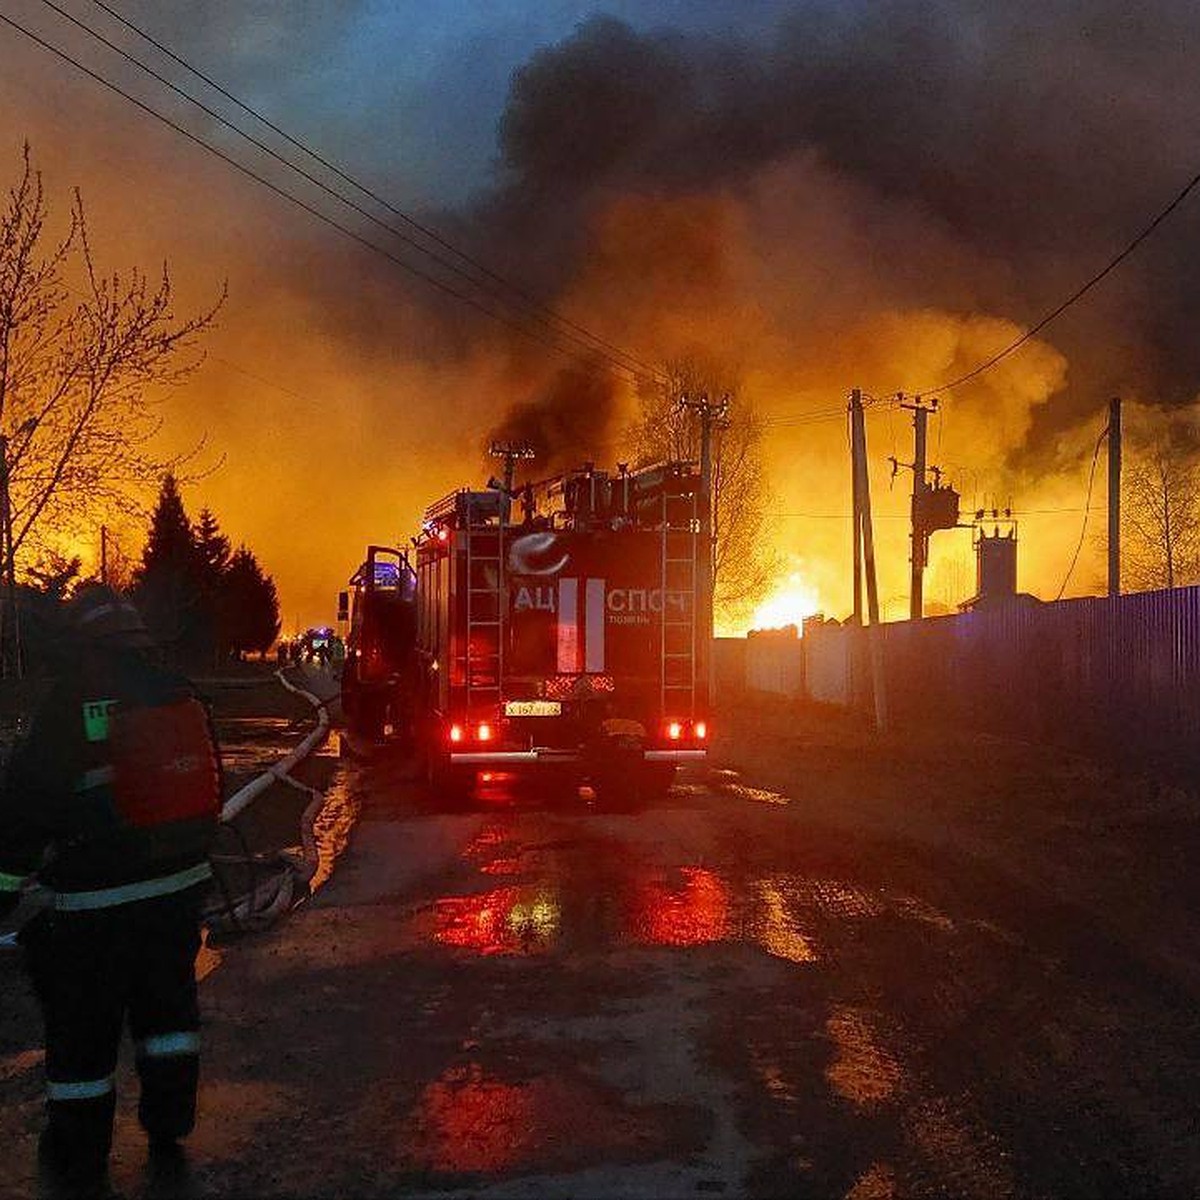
[708,996]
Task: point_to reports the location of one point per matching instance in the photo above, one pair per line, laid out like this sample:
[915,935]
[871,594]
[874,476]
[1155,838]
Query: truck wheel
[447,783]
[366,716]
[655,780]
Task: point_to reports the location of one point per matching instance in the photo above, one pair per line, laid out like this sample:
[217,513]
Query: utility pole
[713,415]
[104,555]
[510,452]
[916,601]
[933,507]
[1114,496]
[856,504]
[864,547]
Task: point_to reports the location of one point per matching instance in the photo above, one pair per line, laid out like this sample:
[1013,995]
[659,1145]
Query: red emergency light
[456,733]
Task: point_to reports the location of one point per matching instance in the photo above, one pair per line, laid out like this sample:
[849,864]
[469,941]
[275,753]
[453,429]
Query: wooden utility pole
[713,415]
[1114,496]
[856,505]
[510,452]
[916,604]
[864,533]
[104,554]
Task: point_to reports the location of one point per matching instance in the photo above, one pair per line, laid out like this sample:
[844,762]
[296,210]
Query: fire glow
[788,605]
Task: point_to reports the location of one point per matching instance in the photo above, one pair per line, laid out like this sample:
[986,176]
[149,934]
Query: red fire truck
[570,639]
[378,675]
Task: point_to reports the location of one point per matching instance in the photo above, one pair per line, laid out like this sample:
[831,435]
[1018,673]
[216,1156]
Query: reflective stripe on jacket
[130,893]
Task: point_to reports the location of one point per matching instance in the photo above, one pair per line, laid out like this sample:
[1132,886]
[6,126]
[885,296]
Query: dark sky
[820,195]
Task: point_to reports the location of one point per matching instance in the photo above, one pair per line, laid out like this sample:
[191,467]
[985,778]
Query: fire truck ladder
[680,555]
[485,609]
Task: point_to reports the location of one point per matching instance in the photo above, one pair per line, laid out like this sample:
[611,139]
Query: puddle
[252,744]
[774,927]
[332,828]
[471,1122]
[862,1071]
[556,896]
[729,783]
[687,907]
[509,920]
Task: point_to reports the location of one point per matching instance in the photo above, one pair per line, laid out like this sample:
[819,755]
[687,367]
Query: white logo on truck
[534,599]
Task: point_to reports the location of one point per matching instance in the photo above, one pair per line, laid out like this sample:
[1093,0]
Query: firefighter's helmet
[101,614]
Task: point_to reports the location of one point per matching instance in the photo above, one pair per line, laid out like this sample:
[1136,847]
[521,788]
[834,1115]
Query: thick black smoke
[570,421]
[1038,136]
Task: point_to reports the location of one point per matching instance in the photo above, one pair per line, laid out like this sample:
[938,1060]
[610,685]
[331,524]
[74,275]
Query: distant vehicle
[569,641]
[379,669]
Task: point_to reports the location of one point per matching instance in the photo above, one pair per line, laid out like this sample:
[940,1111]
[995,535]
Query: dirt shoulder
[1119,848]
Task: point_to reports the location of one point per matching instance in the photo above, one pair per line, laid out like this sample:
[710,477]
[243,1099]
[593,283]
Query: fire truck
[378,673]
[569,640]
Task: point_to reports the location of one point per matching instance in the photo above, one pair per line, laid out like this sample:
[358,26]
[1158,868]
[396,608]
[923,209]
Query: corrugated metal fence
[1117,676]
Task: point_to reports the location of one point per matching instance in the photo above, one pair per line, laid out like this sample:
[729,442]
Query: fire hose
[290,872]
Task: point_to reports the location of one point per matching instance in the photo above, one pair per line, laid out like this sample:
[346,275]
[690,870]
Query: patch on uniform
[95,719]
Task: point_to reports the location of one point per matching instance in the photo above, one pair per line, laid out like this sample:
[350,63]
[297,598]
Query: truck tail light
[455,733]
[674,730]
[701,730]
[484,732]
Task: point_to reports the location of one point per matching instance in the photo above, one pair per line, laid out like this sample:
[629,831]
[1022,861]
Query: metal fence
[1115,676]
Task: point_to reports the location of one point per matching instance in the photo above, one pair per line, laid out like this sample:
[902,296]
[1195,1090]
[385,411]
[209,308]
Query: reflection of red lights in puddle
[467,1122]
[684,916]
[502,866]
[505,921]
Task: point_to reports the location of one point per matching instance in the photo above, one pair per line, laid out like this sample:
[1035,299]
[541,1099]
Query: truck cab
[379,671]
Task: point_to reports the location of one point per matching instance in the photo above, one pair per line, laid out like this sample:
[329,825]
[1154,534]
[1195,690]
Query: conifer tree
[212,563]
[212,546]
[252,604]
[167,583]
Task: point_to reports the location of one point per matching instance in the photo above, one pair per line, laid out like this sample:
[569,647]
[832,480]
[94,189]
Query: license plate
[533,708]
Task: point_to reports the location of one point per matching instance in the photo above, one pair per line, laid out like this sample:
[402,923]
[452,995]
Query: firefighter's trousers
[93,972]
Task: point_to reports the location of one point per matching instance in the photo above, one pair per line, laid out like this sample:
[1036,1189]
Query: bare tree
[744,566]
[80,376]
[1161,512]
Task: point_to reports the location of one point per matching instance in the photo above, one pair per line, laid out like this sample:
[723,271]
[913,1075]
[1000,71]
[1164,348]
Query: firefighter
[111,802]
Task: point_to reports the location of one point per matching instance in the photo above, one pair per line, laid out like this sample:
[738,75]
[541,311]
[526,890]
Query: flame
[789,604]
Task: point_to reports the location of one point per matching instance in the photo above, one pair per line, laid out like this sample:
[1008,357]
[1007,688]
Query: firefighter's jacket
[114,794]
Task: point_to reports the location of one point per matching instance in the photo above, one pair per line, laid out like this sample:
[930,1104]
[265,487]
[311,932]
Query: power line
[1001,514]
[625,362]
[819,415]
[813,418]
[1078,294]
[407,218]
[286,195]
[1087,510]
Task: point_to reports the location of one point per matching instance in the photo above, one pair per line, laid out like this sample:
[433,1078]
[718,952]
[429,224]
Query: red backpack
[165,766]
